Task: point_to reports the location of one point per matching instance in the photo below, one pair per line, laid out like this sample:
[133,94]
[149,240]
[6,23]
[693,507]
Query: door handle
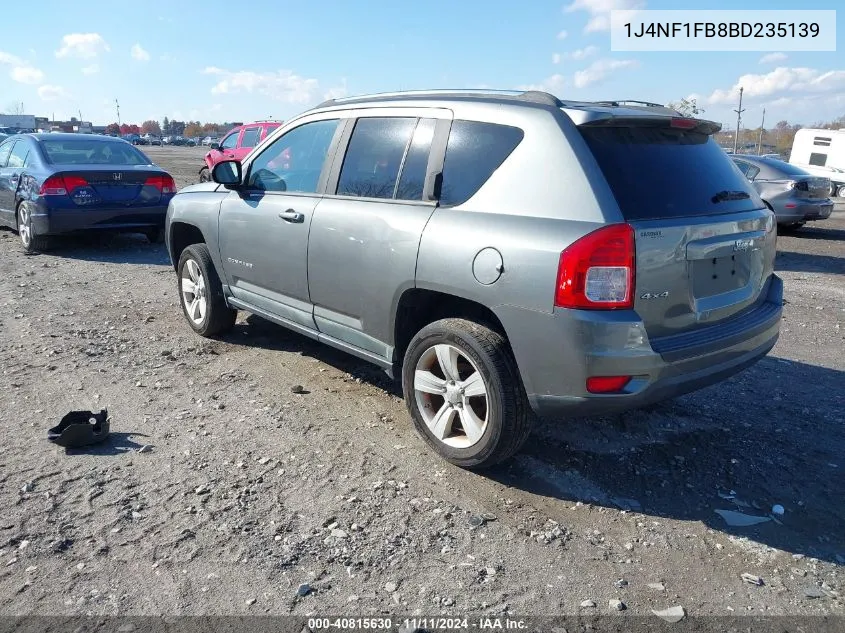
[291,216]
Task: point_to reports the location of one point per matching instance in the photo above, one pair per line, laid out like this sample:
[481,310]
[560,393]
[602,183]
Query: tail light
[61,185]
[800,186]
[597,271]
[164,183]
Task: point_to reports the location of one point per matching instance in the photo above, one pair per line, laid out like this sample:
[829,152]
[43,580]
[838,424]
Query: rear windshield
[657,172]
[82,152]
[782,166]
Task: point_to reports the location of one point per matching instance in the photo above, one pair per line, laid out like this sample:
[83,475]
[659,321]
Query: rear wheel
[201,293]
[840,192]
[464,393]
[205,175]
[31,243]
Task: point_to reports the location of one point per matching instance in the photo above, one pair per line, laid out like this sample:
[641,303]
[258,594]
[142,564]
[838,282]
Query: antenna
[739,112]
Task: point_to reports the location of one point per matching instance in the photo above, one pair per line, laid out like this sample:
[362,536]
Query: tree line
[170,128]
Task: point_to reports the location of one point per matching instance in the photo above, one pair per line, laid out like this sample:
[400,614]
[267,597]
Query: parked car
[151,139]
[208,141]
[136,139]
[795,196]
[52,184]
[422,232]
[236,144]
[191,142]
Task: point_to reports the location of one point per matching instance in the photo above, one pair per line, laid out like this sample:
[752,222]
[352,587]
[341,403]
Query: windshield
[662,172]
[84,152]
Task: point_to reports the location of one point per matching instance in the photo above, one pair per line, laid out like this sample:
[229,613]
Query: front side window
[374,157]
[294,161]
[230,142]
[250,137]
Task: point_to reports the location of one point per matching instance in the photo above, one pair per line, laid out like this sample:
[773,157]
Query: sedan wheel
[31,243]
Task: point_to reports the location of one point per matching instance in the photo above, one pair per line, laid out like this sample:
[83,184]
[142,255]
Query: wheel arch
[181,235]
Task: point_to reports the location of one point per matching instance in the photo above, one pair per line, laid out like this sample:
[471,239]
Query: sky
[273,59]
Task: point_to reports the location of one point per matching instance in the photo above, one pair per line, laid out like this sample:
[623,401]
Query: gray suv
[506,254]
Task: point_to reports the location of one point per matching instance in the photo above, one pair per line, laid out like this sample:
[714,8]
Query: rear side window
[818,160]
[18,156]
[412,180]
[374,157]
[657,172]
[250,137]
[475,150]
[5,149]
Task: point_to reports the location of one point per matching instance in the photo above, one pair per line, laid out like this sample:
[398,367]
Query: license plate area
[718,275]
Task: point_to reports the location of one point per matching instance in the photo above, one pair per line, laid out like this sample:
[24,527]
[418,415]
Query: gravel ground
[252,499]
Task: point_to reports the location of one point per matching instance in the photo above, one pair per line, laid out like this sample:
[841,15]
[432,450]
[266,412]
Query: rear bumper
[556,357]
[55,222]
[805,212]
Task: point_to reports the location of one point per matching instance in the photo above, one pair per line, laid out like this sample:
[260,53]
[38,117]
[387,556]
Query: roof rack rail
[622,102]
[534,96]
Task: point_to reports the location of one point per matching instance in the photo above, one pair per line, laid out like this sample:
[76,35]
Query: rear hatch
[705,242]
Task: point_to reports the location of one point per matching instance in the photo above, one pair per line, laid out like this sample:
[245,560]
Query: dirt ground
[252,499]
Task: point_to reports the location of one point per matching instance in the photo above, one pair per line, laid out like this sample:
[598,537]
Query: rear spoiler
[679,122]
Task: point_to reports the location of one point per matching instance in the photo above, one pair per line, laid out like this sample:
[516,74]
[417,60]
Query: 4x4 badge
[651,295]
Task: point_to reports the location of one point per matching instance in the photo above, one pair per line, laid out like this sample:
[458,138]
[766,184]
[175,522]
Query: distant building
[18,121]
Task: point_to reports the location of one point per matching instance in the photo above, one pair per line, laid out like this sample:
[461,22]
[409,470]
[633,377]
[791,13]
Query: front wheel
[201,293]
[205,175]
[840,192]
[464,393]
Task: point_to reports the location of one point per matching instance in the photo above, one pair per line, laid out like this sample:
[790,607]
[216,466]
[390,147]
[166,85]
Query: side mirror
[215,146]
[228,173]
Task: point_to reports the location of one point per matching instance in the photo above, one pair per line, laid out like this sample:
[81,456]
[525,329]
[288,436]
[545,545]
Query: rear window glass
[475,150]
[665,173]
[783,167]
[82,152]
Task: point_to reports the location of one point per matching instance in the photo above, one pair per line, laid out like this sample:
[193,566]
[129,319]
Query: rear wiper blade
[724,196]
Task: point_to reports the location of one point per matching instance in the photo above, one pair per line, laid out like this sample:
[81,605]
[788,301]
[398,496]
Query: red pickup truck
[236,145]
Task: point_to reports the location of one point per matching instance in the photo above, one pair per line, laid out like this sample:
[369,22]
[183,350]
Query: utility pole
[117,105]
[762,127]
[739,112]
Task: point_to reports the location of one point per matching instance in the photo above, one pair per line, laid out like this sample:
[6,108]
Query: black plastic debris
[80,428]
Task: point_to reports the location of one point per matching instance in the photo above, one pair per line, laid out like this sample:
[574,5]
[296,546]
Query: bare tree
[15,108]
[686,107]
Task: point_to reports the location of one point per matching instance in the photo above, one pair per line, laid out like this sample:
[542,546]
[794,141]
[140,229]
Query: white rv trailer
[821,153]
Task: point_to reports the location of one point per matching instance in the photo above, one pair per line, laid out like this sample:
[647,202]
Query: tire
[31,243]
[211,316]
[155,236]
[470,348]
[840,192]
[205,175]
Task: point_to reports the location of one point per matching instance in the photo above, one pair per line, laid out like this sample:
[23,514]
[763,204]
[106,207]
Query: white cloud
[82,45]
[599,11]
[600,69]
[139,54]
[27,75]
[48,92]
[283,85]
[562,35]
[782,82]
[93,69]
[12,60]
[553,84]
[773,58]
[556,58]
[337,92]
[581,53]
